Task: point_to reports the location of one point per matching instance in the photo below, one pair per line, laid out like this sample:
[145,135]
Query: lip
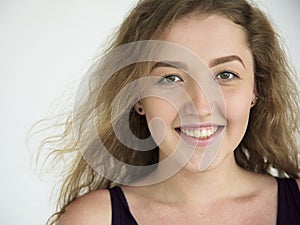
[203,142]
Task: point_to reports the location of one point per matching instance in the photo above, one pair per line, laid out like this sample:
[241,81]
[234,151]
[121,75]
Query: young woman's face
[222,46]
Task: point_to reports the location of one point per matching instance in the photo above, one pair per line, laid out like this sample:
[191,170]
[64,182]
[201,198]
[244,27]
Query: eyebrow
[226,59]
[183,66]
[172,64]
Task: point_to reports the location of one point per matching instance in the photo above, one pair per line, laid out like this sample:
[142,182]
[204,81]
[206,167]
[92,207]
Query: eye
[170,78]
[226,76]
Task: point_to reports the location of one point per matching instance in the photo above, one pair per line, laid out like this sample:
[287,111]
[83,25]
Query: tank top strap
[288,202]
[121,214]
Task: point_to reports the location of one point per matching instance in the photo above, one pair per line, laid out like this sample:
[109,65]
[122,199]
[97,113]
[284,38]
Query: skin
[223,193]
[210,38]
[238,88]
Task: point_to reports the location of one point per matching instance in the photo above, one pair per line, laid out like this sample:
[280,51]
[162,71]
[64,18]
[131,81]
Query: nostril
[199,107]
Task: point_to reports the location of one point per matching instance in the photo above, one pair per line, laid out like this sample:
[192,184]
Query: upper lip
[201,125]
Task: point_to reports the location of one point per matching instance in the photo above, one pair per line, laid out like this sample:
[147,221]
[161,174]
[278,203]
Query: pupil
[224,75]
[171,78]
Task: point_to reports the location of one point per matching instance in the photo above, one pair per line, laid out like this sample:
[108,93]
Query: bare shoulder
[91,209]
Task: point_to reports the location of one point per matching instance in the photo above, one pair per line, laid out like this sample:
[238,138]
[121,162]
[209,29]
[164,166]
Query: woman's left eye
[226,76]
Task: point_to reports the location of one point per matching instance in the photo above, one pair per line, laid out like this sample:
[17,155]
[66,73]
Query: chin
[197,164]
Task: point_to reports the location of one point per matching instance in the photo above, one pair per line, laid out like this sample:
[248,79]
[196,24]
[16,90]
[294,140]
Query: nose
[198,102]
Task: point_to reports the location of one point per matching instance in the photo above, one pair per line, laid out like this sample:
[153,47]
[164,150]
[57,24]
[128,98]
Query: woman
[224,153]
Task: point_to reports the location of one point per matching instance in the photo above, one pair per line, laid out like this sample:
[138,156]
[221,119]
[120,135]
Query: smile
[200,136]
[201,133]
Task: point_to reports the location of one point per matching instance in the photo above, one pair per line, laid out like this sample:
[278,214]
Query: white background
[44,46]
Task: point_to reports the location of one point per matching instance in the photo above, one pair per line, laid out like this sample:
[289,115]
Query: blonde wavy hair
[270,139]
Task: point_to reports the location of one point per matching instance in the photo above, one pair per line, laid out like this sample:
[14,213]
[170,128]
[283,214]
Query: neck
[217,183]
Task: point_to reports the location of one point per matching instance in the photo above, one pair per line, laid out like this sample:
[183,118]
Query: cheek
[238,105]
[156,107]
[160,116]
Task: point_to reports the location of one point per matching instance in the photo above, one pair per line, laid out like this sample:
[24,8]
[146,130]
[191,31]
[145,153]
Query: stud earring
[140,109]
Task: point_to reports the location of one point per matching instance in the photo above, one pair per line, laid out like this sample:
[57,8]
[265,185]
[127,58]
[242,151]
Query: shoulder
[90,209]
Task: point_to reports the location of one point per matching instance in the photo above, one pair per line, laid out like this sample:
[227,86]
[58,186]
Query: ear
[139,108]
[254,100]
[254,96]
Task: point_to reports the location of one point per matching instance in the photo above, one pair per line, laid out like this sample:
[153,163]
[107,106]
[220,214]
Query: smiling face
[221,45]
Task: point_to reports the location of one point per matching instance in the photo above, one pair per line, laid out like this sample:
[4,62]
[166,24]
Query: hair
[270,138]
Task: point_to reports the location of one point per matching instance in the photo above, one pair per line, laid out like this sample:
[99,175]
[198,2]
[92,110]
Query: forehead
[209,36]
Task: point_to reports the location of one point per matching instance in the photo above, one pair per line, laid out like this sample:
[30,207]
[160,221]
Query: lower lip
[197,141]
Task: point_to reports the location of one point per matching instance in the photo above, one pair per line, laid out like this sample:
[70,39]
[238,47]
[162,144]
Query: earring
[140,109]
[254,101]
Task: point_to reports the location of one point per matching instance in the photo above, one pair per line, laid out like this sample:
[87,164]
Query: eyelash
[164,80]
[234,74]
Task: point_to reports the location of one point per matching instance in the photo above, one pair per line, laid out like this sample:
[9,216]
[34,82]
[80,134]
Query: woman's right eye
[170,78]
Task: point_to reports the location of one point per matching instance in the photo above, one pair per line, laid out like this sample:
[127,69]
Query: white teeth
[197,133]
[203,133]
[200,133]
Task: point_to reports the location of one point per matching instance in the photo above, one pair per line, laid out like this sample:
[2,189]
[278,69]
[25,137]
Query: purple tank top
[288,205]
[288,202]
[121,214]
